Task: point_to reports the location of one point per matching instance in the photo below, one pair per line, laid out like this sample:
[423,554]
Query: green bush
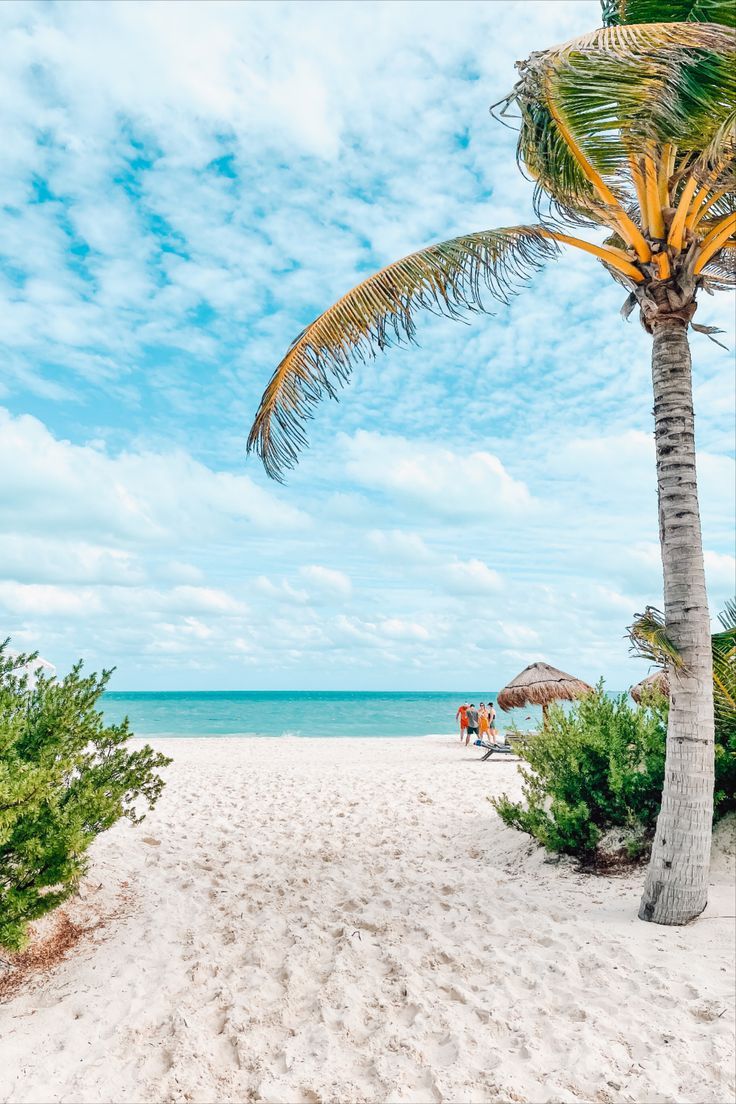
[725,793]
[724,699]
[598,765]
[64,777]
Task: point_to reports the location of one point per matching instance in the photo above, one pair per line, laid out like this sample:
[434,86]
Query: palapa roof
[656,681]
[540,684]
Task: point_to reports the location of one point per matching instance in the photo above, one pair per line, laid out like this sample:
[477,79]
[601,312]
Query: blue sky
[183,188]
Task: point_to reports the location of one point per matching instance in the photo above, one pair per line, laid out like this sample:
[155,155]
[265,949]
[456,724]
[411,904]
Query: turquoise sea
[298,713]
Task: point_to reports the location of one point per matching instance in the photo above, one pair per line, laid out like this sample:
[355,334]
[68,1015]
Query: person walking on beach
[492,723]
[472,729]
[462,717]
[484,723]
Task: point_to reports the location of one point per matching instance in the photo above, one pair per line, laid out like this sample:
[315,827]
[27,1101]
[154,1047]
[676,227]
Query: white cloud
[618,470]
[138,497]
[42,600]
[397,628]
[518,635]
[396,545]
[472,577]
[359,632]
[720,571]
[193,599]
[281,592]
[179,637]
[45,559]
[619,466]
[323,586]
[328,581]
[183,572]
[434,477]
[614,600]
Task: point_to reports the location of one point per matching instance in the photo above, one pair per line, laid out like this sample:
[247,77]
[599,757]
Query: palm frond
[560,184]
[724,668]
[618,12]
[448,278]
[702,115]
[716,243]
[638,41]
[649,640]
[618,91]
[668,82]
[727,616]
[720,272]
[721,148]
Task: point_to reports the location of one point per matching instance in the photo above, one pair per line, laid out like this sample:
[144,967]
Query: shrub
[724,699]
[598,765]
[65,777]
[724,800]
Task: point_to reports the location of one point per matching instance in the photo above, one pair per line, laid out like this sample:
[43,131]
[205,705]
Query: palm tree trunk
[676,887]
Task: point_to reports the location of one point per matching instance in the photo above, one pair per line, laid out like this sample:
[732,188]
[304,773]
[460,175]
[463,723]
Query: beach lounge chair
[494,749]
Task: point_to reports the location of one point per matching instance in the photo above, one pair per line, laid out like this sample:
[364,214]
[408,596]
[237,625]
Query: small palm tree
[629,129]
[649,640]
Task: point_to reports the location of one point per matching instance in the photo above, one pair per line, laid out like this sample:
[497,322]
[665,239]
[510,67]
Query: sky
[185,186]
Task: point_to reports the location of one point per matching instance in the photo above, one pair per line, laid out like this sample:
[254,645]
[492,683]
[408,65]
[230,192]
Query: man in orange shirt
[462,717]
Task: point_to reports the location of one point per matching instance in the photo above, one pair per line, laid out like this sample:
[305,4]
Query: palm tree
[629,129]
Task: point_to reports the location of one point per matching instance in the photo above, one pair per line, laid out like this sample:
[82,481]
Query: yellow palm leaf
[447,278]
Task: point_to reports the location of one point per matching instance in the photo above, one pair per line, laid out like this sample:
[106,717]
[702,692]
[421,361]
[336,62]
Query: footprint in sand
[410,1013]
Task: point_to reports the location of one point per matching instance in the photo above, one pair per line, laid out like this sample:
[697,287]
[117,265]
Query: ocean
[298,713]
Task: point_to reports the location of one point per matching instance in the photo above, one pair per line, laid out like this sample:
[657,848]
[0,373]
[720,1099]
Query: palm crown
[629,128]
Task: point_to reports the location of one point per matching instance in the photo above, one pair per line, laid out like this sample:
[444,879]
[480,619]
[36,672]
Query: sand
[348,920]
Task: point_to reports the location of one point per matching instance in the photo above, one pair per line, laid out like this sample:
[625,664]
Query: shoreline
[296,737]
[306,715]
[351,921]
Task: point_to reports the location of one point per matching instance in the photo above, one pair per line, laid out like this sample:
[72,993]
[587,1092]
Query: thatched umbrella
[657,681]
[540,684]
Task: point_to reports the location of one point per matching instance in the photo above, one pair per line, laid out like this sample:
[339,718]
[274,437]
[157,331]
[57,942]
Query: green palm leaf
[618,90]
[618,12]
[724,678]
[447,278]
[727,616]
[649,639]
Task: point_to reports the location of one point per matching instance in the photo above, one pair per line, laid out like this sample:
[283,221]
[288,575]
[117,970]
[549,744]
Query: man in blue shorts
[472,729]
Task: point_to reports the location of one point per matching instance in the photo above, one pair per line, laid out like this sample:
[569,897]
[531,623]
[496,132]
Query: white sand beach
[348,920]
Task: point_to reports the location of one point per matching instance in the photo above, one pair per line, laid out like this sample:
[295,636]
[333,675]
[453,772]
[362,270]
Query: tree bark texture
[676,888]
